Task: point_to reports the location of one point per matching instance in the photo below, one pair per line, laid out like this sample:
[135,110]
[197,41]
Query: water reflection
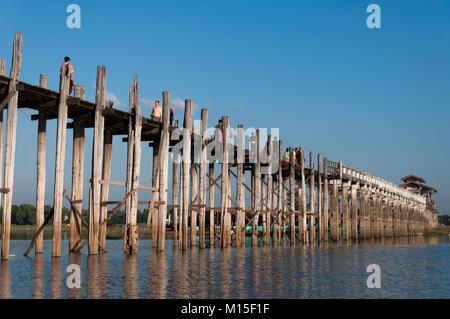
[4,282]
[38,291]
[412,267]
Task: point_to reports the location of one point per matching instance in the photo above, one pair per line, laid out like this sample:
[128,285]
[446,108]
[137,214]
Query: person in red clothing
[299,156]
[70,73]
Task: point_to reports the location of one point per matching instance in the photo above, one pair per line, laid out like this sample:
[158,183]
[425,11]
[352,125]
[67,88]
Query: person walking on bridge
[157,112]
[69,72]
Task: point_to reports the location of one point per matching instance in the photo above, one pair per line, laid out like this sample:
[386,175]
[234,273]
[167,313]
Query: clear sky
[377,99]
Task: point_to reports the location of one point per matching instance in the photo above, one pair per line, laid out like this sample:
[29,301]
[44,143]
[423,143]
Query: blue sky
[377,99]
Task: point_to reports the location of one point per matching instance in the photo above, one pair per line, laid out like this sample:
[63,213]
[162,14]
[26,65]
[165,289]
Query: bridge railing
[345,171]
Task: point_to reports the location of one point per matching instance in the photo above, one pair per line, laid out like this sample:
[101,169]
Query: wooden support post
[77,176]
[225,234]
[106,176]
[312,199]
[257,190]
[202,226]
[325,200]
[153,210]
[335,211]
[2,67]
[345,211]
[303,208]
[354,211]
[280,196]
[131,240]
[59,162]
[320,197]
[263,206]
[185,170]
[10,143]
[175,202]
[194,195]
[97,157]
[373,213]
[40,174]
[163,171]
[292,197]
[240,191]
[396,217]
[212,224]
[269,189]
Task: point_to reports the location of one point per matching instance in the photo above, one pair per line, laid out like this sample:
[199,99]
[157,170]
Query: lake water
[414,267]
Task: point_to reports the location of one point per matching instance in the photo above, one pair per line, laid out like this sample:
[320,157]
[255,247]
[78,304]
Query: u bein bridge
[291,203]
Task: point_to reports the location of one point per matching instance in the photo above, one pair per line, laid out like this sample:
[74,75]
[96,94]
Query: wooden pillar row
[257,189]
[187,125]
[325,201]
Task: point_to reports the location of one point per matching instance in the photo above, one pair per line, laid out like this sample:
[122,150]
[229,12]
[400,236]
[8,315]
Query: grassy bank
[439,230]
[113,232]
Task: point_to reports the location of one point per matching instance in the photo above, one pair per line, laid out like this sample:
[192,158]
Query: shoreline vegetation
[112,232]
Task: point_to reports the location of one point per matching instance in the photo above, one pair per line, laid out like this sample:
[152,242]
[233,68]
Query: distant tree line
[444,220]
[25,214]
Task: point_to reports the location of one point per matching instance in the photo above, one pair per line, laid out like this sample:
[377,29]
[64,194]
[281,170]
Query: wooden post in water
[187,125]
[335,214]
[97,157]
[152,209]
[202,226]
[325,200]
[257,189]
[59,161]
[320,198]
[240,192]
[131,238]
[280,189]
[106,176]
[292,196]
[312,199]
[269,189]
[212,224]
[225,234]
[163,171]
[354,211]
[303,209]
[175,201]
[3,73]
[194,197]
[345,211]
[10,143]
[40,174]
[77,176]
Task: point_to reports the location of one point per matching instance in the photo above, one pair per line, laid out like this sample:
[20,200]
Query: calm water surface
[415,267]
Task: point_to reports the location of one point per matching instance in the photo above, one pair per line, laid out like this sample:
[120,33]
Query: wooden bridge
[294,204]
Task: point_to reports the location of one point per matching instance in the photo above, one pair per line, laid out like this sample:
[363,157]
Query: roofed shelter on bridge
[417,185]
